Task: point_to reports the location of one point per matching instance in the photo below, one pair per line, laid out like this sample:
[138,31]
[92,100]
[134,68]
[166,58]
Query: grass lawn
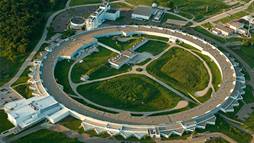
[24,90]
[250,122]
[205,97]
[72,123]
[96,66]
[5,123]
[232,132]
[171,16]
[232,17]
[247,54]
[248,97]
[209,34]
[46,136]
[21,85]
[120,5]
[216,140]
[217,77]
[61,74]
[153,47]
[180,69]
[132,92]
[121,46]
[152,37]
[9,68]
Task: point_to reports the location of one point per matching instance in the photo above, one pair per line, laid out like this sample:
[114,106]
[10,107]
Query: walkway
[109,48]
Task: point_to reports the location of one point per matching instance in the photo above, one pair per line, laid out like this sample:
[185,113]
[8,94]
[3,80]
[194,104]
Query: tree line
[21,24]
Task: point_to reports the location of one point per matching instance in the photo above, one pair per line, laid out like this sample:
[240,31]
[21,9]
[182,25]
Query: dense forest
[21,24]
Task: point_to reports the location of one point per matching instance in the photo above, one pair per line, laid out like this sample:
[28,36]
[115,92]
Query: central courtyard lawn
[46,136]
[180,69]
[130,92]
[121,46]
[61,74]
[5,124]
[96,66]
[217,77]
[153,47]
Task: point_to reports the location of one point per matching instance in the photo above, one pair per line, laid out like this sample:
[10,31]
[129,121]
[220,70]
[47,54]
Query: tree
[19,24]
[171,4]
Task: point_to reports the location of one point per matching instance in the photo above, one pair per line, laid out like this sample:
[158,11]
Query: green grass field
[61,74]
[72,123]
[171,16]
[132,92]
[153,47]
[46,136]
[250,122]
[158,38]
[234,133]
[217,77]
[209,34]
[120,5]
[121,46]
[180,69]
[216,140]
[9,68]
[5,123]
[21,85]
[248,97]
[247,54]
[96,66]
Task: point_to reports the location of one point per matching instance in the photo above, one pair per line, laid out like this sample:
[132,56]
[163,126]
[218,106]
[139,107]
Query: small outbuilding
[142,13]
[77,23]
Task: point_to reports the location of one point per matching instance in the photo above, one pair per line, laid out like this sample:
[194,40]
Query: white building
[104,12]
[77,23]
[26,112]
[248,18]
[222,30]
[121,59]
[237,27]
[142,13]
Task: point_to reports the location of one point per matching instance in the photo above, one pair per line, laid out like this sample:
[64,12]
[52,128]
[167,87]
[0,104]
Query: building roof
[77,20]
[75,44]
[224,28]
[143,10]
[111,11]
[235,24]
[28,111]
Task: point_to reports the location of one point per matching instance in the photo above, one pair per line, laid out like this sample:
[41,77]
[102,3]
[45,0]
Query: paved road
[224,14]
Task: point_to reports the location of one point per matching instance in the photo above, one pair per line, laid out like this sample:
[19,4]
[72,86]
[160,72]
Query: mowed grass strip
[46,136]
[132,93]
[180,69]
[61,74]
[247,54]
[5,124]
[92,63]
[118,45]
[153,47]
